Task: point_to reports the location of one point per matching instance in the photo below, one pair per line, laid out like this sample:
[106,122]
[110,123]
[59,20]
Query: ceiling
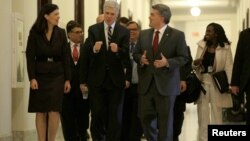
[182,7]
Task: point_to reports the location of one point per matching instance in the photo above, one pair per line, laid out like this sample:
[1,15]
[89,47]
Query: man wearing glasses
[75,109]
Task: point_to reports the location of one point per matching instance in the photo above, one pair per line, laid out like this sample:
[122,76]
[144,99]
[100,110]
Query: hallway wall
[5,71]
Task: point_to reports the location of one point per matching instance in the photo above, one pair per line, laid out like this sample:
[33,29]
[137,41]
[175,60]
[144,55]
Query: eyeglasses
[133,29]
[77,32]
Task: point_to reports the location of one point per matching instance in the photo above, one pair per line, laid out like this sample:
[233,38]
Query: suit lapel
[71,59]
[115,32]
[164,38]
[150,42]
[102,35]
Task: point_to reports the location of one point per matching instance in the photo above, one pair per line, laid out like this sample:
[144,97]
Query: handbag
[194,88]
[221,81]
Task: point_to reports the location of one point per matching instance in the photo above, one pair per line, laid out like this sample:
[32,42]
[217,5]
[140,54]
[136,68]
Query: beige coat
[223,61]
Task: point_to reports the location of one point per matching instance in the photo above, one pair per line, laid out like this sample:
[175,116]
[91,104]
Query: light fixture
[118,1]
[195,11]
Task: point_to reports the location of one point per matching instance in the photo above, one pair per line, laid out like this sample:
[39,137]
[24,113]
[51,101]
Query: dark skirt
[49,95]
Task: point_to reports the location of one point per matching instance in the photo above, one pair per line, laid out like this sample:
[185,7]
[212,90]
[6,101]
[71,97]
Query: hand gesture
[114,47]
[98,46]
[144,60]
[163,62]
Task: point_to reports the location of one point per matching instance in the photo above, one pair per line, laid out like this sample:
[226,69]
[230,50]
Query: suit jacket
[75,69]
[173,47]
[241,66]
[39,49]
[187,68]
[99,64]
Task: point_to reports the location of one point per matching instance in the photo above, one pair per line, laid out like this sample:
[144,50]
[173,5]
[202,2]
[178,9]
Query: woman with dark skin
[48,71]
[213,55]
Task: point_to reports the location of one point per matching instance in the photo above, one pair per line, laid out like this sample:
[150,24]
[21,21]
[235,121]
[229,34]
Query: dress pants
[156,113]
[75,117]
[106,105]
[179,109]
[206,108]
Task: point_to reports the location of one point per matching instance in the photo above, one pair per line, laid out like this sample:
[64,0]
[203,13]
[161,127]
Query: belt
[48,59]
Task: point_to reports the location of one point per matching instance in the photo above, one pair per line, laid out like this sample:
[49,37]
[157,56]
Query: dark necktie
[75,53]
[131,51]
[156,41]
[109,34]
[132,47]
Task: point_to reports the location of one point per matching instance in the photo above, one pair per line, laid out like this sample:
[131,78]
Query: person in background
[100,18]
[180,103]
[48,71]
[75,109]
[105,59]
[160,52]
[131,126]
[240,83]
[213,55]
[123,21]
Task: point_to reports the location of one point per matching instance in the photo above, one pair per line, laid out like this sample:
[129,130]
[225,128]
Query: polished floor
[189,129]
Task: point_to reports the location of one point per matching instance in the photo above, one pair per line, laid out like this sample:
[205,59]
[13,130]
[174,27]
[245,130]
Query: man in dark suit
[75,109]
[131,125]
[108,70]
[160,51]
[240,82]
[180,103]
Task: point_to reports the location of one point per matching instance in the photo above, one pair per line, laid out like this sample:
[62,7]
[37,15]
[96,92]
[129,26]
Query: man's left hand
[163,62]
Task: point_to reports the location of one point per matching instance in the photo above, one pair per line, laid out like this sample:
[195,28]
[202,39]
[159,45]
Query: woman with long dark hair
[48,70]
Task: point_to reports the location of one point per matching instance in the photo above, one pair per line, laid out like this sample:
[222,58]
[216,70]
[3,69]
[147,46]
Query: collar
[106,25]
[161,29]
[72,43]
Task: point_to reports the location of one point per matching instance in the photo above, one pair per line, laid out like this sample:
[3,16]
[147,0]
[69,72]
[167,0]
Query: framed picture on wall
[18,53]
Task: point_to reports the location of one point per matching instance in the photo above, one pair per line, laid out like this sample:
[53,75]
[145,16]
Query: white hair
[111,4]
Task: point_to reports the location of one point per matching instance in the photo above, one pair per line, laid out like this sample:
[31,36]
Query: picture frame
[18,53]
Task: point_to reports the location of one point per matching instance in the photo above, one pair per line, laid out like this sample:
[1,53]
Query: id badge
[210,69]
[131,56]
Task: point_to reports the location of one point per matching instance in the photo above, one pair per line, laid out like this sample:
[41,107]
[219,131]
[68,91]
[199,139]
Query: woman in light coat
[213,55]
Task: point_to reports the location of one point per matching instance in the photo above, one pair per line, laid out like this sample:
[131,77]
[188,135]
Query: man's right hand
[97,46]
[144,60]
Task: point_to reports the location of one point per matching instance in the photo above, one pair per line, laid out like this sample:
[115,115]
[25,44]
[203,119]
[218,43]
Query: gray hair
[111,4]
[164,11]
